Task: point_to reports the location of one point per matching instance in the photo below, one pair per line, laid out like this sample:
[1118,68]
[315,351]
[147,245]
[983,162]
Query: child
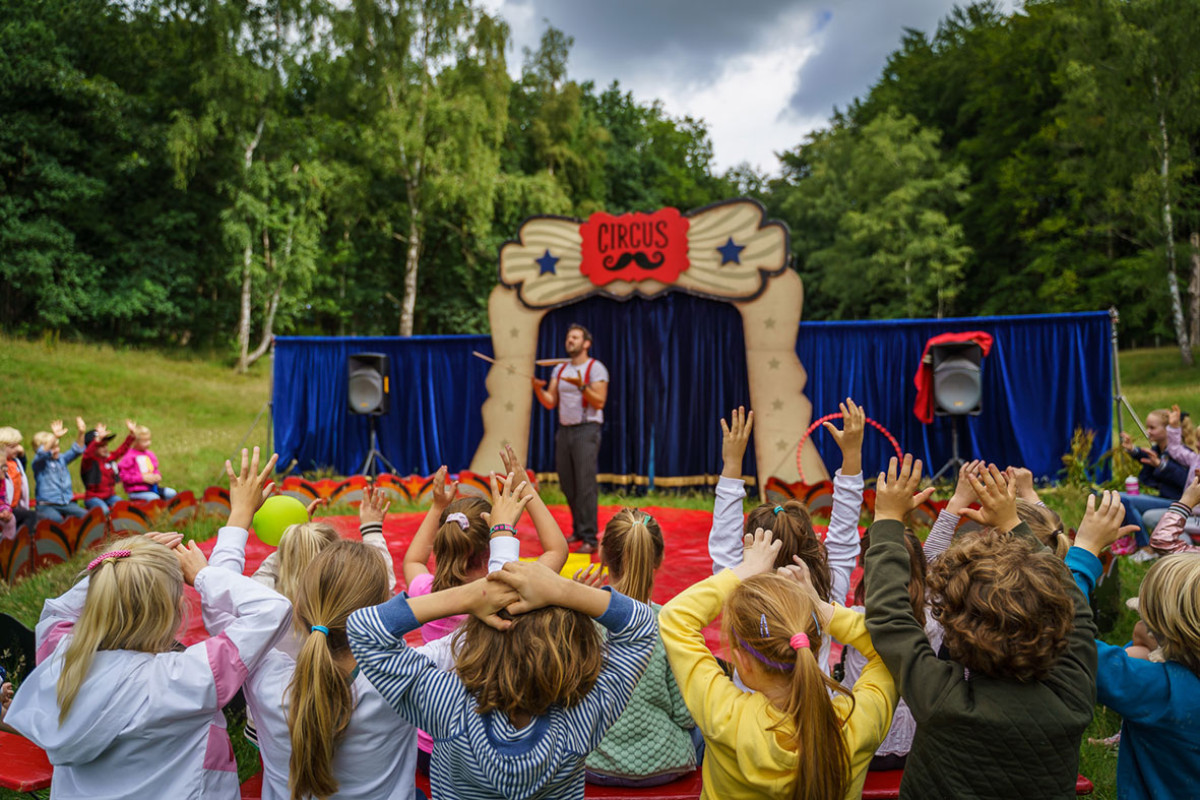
[1168,535]
[1165,468]
[533,695]
[119,713]
[1004,716]
[651,743]
[830,563]
[16,487]
[98,467]
[786,737]
[139,470]
[1159,703]
[52,479]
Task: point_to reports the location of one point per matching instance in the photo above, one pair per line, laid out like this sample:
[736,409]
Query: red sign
[634,247]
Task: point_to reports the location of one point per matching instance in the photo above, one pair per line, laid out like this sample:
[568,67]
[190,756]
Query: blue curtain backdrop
[678,364]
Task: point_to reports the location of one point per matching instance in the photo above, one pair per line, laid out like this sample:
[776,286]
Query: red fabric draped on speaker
[923,380]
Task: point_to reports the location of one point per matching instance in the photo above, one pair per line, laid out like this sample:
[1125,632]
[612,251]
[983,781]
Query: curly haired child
[1003,717]
[796,733]
[1159,702]
[534,690]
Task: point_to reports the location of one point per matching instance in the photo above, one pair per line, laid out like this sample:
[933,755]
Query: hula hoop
[838,415]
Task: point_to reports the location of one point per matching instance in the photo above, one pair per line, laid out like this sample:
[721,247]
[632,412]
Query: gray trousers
[577,453]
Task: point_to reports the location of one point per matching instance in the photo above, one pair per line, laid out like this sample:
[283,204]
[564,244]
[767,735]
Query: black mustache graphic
[643,261]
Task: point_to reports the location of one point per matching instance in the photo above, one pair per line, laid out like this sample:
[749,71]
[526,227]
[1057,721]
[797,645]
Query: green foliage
[1078,466]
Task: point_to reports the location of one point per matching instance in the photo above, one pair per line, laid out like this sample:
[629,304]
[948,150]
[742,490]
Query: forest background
[204,174]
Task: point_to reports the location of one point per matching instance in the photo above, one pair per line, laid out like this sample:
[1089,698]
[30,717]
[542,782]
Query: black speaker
[957,379]
[368,384]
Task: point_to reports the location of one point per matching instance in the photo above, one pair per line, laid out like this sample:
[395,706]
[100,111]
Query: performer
[579,390]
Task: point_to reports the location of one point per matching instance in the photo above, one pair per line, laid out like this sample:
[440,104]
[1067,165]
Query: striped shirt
[484,755]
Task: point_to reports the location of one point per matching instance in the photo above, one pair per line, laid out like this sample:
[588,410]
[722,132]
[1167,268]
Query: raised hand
[1175,416]
[1101,525]
[1023,478]
[80,425]
[1127,442]
[758,555]
[735,436]
[508,500]
[58,429]
[998,498]
[896,491]
[442,494]
[169,540]
[312,507]
[249,488]
[964,495]
[513,465]
[101,431]
[1191,492]
[374,505]
[592,575]
[798,571]
[131,426]
[850,438]
[191,561]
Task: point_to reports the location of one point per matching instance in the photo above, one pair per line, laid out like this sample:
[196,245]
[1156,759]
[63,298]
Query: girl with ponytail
[118,712]
[796,733]
[652,742]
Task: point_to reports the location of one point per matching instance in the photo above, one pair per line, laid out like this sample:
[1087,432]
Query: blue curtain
[678,364]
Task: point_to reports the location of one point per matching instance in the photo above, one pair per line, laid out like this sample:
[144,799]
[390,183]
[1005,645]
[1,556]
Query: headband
[113,554]
[769,662]
[460,518]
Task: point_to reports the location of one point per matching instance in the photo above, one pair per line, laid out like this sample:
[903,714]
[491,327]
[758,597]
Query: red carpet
[685,532]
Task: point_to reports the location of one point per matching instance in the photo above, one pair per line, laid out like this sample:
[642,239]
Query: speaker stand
[370,466]
[955,463]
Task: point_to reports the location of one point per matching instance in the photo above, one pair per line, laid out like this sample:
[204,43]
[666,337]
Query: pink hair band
[100,559]
[460,518]
[799,640]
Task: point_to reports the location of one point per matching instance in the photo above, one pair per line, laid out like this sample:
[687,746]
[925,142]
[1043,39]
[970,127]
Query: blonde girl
[1158,702]
[534,689]
[796,733]
[652,742]
[119,713]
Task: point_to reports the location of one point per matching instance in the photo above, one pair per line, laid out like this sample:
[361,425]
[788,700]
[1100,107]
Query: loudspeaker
[957,379]
[368,383]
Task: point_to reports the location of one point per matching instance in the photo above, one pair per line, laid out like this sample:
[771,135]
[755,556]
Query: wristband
[502,528]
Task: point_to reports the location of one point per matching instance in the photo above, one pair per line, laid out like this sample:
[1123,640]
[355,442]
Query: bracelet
[502,528]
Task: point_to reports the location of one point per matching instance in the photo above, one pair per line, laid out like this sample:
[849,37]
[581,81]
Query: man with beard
[579,390]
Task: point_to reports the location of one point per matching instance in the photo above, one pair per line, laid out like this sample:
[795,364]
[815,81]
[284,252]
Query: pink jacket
[131,472]
[1165,538]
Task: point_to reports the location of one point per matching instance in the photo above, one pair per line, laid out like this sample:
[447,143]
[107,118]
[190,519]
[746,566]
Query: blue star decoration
[731,252]
[547,263]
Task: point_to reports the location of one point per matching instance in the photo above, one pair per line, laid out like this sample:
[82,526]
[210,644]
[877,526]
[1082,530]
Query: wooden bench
[23,765]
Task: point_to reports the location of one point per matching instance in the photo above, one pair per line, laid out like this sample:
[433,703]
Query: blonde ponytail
[459,551]
[770,619]
[632,549]
[133,602]
[342,578]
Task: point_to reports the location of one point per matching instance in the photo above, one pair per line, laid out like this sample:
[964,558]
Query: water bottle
[1131,485]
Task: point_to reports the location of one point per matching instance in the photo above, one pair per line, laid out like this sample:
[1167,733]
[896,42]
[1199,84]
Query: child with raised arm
[534,691]
[1003,717]
[1159,703]
[1168,535]
[118,712]
[98,467]
[52,478]
[796,732]
[139,470]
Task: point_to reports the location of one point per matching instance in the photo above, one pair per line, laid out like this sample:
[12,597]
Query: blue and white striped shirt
[483,755]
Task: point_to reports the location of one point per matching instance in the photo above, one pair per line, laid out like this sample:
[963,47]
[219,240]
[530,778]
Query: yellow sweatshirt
[743,759]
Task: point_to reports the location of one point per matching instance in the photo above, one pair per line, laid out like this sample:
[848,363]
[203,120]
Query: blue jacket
[52,476]
[1168,479]
[1160,706]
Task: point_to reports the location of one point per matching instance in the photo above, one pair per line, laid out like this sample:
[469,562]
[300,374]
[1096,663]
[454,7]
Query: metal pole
[1119,399]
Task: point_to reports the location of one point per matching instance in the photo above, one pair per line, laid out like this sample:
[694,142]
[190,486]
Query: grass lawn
[200,411]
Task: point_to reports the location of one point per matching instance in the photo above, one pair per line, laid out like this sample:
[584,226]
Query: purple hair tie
[98,560]
[460,518]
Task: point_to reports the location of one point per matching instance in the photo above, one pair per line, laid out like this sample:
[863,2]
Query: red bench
[23,765]
[886,784]
[686,788]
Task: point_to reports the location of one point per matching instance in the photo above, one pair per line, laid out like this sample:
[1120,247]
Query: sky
[760,73]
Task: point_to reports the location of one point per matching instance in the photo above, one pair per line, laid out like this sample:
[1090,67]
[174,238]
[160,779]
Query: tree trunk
[243,329]
[412,261]
[1181,334]
[1194,290]
[268,325]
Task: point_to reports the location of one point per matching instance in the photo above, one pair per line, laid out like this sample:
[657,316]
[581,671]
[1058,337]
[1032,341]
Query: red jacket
[923,408]
[93,469]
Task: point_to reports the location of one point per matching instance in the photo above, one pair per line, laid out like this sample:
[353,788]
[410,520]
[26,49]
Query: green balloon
[276,514]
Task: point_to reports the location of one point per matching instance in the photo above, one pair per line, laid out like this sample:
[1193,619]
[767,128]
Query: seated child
[15,511]
[1002,718]
[139,470]
[117,710]
[1168,535]
[98,467]
[534,691]
[1159,702]
[52,479]
[796,732]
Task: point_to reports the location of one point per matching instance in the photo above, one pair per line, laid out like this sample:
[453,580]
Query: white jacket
[149,724]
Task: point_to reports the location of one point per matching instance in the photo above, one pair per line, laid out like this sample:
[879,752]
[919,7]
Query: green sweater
[977,736]
[651,736]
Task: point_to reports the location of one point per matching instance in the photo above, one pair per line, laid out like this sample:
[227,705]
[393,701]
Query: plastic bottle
[1131,485]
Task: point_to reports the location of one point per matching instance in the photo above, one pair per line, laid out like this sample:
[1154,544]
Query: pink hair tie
[460,518]
[100,559]
[799,640]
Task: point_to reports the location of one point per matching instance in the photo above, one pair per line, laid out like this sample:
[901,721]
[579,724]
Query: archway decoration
[728,251]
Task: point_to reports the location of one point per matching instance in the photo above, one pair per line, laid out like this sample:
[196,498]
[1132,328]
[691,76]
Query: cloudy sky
[761,73]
